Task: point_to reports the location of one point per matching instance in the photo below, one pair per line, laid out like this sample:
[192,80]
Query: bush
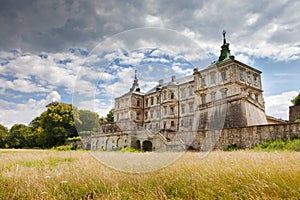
[287,144]
[65,148]
[296,100]
[232,147]
[130,149]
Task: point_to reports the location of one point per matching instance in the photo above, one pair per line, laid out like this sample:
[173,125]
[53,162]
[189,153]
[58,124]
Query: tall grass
[41,174]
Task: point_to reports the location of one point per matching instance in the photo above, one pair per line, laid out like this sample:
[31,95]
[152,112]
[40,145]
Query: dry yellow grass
[38,174]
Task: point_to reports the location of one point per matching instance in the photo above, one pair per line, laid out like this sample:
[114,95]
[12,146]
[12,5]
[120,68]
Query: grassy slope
[28,174]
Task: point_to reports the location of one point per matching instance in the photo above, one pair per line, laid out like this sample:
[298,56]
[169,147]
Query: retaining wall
[247,137]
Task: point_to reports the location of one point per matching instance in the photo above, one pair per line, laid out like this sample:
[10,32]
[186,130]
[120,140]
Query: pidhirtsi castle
[219,103]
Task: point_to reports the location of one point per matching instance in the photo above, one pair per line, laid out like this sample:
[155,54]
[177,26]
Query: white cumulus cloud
[278,105]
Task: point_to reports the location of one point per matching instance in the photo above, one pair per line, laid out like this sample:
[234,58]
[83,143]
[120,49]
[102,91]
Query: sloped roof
[177,82]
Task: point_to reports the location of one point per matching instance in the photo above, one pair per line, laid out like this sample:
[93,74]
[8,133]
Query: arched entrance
[147,145]
[137,144]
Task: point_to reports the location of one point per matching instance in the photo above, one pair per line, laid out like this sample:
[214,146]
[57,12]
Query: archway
[147,146]
[137,144]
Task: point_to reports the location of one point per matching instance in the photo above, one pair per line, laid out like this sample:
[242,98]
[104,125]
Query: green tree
[54,125]
[20,136]
[87,121]
[3,135]
[296,100]
[110,116]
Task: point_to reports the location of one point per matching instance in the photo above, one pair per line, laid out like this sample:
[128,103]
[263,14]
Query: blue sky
[85,52]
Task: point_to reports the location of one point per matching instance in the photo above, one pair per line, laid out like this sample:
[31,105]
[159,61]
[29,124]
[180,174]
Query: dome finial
[224,33]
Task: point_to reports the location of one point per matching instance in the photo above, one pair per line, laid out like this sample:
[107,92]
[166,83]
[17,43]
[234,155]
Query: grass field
[48,174]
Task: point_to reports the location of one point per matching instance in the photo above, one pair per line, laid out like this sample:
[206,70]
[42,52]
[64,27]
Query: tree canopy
[110,116]
[3,135]
[86,120]
[296,100]
[54,127]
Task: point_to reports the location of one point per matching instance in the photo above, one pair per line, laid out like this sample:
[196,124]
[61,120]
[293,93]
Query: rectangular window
[191,106]
[224,94]
[203,83]
[165,111]
[213,78]
[255,80]
[182,92]
[190,122]
[182,108]
[152,100]
[171,110]
[172,124]
[242,78]
[172,95]
[137,116]
[213,96]
[249,78]
[146,115]
[191,91]
[223,75]
[138,103]
[203,99]
[151,114]
[256,97]
[146,101]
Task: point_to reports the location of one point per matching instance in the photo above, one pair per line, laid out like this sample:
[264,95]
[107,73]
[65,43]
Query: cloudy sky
[85,52]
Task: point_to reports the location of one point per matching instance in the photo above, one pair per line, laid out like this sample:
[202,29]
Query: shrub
[286,144]
[130,149]
[296,100]
[65,148]
[232,147]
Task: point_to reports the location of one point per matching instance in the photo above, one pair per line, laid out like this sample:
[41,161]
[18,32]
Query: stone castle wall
[247,137]
[294,113]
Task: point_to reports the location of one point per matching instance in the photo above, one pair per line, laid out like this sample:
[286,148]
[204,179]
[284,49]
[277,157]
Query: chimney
[173,78]
[160,82]
[195,71]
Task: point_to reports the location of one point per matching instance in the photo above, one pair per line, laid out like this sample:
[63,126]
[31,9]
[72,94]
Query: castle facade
[225,94]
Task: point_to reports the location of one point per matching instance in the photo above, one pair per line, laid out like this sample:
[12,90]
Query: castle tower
[128,110]
[229,93]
